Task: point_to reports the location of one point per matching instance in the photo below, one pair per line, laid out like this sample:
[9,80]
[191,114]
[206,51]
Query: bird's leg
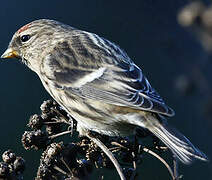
[108,153]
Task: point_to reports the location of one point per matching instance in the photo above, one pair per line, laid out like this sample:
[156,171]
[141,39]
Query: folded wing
[95,68]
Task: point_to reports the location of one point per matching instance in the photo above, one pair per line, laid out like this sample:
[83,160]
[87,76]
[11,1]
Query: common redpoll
[96,83]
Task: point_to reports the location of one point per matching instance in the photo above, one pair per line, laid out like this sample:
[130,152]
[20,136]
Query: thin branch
[119,145]
[109,154]
[66,165]
[175,164]
[134,166]
[114,149]
[59,134]
[162,160]
[60,170]
[50,123]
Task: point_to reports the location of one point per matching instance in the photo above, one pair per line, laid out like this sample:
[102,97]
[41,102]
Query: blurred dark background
[171,55]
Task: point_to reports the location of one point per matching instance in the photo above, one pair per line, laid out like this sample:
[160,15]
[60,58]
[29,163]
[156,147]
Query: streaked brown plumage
[96,83]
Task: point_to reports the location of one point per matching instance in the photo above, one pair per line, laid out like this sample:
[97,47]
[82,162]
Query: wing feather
[115,81]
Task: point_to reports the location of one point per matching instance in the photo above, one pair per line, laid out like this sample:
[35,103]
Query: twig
[66,165]
[59,134]
[175,164]
[119,145]
[162,160]
[134,166]
[109,154]
[60,170]
[50,123]
[114,149]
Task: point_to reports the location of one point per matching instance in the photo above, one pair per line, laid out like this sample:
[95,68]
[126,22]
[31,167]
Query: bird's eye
[25,38]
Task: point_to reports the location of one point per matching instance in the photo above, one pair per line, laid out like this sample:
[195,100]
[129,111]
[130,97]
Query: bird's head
[33,40]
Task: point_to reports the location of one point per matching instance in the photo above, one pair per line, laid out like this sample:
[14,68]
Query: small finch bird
[96,83]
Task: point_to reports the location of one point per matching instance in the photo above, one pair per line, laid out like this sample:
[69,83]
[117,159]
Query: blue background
[149,32]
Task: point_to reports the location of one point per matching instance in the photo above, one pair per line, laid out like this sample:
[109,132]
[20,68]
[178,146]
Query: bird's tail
[180,146]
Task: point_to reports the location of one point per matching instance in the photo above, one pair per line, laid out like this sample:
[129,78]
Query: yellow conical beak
[10,53]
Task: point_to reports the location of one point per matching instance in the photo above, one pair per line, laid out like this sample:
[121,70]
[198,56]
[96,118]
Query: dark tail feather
[180,146]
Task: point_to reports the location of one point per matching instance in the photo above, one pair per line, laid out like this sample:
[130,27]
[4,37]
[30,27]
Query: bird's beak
[10,53]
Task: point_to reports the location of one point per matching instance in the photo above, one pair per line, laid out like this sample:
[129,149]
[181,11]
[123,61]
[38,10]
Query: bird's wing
[94,68]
